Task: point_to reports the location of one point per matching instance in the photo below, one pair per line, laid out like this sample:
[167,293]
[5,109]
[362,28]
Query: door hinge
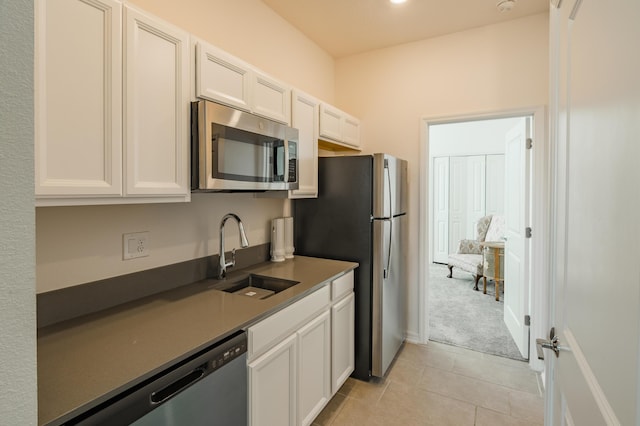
[527,232]
[527,320]
[529,143]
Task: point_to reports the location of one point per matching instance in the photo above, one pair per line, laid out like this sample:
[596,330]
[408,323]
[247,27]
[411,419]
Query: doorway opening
[464,160]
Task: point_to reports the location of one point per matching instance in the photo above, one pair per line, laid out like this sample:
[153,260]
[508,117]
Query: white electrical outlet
[135,245]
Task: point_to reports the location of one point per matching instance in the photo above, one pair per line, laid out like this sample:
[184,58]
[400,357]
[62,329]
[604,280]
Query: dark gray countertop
[85,361]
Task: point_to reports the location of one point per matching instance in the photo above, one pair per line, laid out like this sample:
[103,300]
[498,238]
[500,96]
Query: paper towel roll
[288,238]
[277,240]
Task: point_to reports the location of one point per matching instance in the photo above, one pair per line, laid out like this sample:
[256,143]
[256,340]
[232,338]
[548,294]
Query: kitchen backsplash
[83,244]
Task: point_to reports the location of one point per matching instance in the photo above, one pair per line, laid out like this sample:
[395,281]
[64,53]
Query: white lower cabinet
[342,341]
[309,354]
[272,385]
[314,368]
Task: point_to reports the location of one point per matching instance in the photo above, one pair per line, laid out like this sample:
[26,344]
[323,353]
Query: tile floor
[437,384]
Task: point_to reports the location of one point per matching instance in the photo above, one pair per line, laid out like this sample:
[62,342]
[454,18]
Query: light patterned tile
[476,392]
[527,406]
[484,369]
[454,386]
[423,407]
[405,373]
[367,392]
[486,417]
[330,411]
[426,356]
[353,412]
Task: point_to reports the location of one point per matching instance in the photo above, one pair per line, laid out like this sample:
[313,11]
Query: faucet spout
[243,243]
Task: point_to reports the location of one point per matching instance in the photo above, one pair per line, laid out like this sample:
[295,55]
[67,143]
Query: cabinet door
[304,117]
[342,341]
[314,368]
[330,122]
[272,386]
[271,98]
[351,131]
[78,96]
[156,107]
[220,77]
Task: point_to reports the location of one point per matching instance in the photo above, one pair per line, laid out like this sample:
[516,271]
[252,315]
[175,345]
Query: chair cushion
[467,262]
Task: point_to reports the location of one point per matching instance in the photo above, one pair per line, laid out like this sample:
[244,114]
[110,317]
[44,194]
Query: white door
[440,204]
[457,201]
[476,195]
[595,124]
[516,263]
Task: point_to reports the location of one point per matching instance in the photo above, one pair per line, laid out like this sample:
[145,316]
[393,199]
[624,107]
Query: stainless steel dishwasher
[209,388]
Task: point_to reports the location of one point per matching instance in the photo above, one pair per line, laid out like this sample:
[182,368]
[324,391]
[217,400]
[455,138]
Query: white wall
[18,401]
[488,69]
[469,137]
[76,245]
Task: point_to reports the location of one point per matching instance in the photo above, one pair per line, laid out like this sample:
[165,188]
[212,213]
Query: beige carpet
[460,316]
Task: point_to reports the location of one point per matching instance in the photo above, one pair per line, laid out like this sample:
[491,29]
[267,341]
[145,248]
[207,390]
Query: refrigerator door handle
[390,219]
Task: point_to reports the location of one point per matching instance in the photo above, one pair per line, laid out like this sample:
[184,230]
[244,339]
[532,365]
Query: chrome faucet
[243,243]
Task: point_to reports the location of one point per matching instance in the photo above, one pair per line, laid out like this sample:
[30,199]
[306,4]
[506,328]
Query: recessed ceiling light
[397,1]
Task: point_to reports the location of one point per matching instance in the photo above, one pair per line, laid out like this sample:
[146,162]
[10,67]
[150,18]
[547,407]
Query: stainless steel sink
[255,286]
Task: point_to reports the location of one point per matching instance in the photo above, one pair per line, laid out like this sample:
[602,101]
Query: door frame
[540,202]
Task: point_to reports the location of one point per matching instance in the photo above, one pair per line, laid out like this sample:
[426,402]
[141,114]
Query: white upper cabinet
[78,94]
[223,78]
[86,59]
[339,127]
[271,98]
[157,107]
[305,118]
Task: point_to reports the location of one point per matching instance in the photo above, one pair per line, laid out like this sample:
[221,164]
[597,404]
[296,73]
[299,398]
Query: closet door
[495,184]
[475,206]
[440,240]
[457,201]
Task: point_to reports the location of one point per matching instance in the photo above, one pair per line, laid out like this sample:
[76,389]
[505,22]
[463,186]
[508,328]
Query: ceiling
[348,27]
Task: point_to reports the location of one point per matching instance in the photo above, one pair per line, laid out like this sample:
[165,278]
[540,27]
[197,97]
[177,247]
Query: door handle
[552,343]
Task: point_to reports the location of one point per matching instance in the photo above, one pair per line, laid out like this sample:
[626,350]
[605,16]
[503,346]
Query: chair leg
[477,278]
[450,271]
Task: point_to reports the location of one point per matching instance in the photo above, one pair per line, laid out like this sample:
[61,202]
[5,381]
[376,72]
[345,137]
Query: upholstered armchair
[469,256]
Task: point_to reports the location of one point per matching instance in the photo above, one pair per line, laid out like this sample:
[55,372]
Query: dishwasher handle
[160,396]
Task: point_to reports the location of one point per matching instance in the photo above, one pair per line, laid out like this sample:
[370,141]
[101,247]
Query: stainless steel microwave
[233,150]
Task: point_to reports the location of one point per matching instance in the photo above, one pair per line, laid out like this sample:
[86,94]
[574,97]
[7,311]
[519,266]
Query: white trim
[424,230]
[592,381]
[540,221]
[414,338]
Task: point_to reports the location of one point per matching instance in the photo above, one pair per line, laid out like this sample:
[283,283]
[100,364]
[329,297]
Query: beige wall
[82,244]
[487,69]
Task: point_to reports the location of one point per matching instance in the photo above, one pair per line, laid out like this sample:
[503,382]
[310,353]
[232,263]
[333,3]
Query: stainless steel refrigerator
[360,215]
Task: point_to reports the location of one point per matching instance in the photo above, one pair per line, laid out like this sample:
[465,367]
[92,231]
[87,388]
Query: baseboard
[412,337]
